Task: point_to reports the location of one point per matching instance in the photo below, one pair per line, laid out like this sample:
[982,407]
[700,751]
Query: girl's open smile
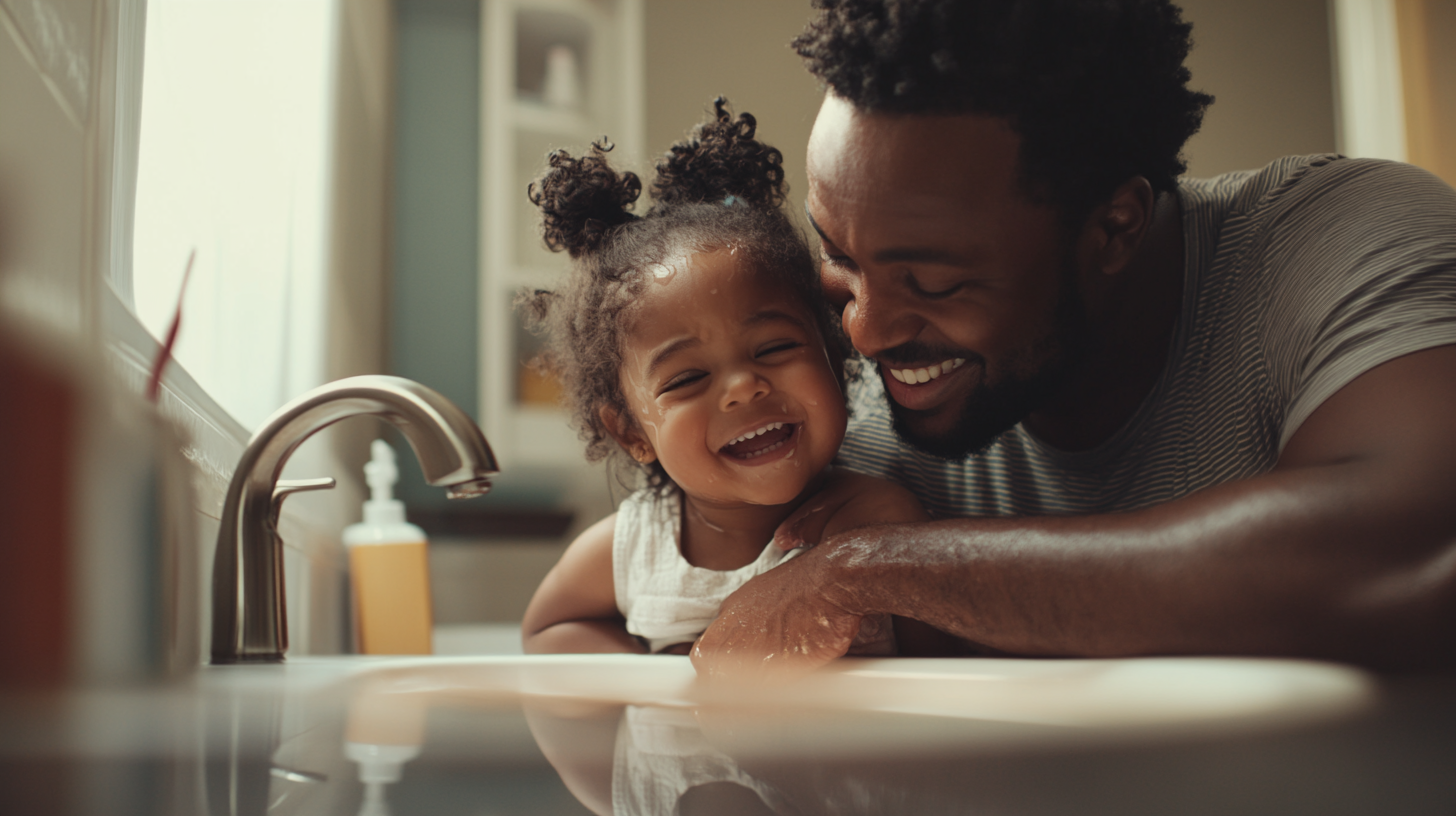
[729,385]
[767,444]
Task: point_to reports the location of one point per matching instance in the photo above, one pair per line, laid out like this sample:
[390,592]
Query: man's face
[962,290]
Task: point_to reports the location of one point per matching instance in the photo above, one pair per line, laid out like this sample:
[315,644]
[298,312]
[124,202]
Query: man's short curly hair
[1096,89]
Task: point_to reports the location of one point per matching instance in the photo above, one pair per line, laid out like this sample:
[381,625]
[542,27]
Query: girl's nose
[744,386]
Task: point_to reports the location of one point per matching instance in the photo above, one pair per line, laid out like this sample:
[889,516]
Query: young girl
[693,339]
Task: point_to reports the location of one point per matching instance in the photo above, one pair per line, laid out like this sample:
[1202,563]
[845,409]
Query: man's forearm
[1313,562]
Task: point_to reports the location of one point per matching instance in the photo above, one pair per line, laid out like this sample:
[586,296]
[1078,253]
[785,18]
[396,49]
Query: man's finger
[804,527]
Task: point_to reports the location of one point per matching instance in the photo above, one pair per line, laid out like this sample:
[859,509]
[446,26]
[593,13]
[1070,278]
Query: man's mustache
[907,354]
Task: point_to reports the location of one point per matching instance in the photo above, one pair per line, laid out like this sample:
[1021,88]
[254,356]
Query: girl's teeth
[914,376]
[772,426]
[772,447]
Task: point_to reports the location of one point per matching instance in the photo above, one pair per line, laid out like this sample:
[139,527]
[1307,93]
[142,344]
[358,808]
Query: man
[1152,416]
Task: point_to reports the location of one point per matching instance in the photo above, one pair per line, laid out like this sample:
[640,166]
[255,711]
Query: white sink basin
[1055,700]
[935,732]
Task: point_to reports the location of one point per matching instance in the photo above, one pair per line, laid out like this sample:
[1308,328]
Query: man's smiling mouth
[764,439]
[914,376]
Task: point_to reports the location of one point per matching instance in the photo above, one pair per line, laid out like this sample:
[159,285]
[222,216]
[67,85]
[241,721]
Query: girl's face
[728,383]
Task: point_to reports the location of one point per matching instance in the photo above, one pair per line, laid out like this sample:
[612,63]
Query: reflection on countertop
[636,735]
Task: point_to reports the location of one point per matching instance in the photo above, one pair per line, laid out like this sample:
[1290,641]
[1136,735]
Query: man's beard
[993,409]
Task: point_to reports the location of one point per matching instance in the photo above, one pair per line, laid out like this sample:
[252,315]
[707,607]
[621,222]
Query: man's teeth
[772,426]
[913,376]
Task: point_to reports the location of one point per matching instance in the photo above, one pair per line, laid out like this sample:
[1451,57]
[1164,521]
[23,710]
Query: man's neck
[1132,337]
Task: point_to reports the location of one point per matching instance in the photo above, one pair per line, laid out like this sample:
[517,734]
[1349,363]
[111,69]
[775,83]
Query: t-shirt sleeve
[1360,264]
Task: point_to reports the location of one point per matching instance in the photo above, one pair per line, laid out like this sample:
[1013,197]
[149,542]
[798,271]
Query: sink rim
[1121,694]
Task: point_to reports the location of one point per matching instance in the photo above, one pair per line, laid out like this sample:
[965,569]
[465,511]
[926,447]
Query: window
[235,140]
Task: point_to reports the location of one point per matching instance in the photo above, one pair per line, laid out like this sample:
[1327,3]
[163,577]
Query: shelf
[480,521]
[556,74]
[539,29]
[537,117]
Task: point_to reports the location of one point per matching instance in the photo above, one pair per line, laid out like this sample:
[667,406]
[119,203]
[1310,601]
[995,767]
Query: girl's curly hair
[719,188]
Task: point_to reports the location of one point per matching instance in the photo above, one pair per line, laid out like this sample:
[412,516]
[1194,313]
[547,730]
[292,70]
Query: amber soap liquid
[391,584]
[389,569]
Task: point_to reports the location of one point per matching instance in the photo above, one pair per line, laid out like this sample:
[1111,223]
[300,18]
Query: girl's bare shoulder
[870,500]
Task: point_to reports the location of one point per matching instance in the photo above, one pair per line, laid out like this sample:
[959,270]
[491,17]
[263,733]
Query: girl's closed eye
[778,346]
[677,381]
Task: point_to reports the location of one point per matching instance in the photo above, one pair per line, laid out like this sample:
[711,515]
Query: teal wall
[436,208]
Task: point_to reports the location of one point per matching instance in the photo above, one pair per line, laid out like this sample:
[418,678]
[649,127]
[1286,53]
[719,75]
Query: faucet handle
[287,487]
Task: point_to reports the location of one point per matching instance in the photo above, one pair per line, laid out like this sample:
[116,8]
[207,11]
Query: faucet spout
[249,621]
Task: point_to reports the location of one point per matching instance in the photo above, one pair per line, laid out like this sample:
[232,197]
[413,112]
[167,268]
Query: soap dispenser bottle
[388,568]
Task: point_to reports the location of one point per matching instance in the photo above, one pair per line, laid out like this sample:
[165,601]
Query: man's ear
[1116,228]
[627,435]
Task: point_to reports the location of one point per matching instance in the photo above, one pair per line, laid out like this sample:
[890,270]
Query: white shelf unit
[518,128]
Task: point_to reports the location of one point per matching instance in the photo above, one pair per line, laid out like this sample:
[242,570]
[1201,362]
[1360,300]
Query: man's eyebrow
[662,354]
[927,255]
[812,222]
[901,254]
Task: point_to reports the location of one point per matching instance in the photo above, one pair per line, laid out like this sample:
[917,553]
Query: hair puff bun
[582,199]
[722,158]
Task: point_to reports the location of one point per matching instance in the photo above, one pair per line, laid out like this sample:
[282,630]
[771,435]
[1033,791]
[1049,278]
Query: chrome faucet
[249,622]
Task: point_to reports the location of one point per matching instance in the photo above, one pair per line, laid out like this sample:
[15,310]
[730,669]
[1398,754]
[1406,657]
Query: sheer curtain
[234,164]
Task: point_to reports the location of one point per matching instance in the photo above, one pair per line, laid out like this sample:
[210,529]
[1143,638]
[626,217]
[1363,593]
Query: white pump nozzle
[381,474]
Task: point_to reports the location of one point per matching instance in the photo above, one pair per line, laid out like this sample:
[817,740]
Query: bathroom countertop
[575,734]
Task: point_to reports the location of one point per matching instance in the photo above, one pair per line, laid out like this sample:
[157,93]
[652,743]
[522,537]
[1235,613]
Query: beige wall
[1267,62]
[738,48]
[1428,74]
[1268,66]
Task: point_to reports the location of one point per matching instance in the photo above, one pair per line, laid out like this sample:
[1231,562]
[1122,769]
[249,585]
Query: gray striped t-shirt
[1299,277]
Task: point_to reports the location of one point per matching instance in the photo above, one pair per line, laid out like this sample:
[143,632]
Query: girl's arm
[575,608]
[877,501]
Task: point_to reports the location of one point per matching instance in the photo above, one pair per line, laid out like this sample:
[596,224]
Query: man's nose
[876,318]
[743,386]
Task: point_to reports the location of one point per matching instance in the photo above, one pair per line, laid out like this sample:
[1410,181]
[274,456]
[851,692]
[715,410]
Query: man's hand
[777,626]
[806,612]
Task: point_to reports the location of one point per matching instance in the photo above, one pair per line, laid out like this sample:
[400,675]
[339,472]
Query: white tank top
[665,599]
[668,601]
